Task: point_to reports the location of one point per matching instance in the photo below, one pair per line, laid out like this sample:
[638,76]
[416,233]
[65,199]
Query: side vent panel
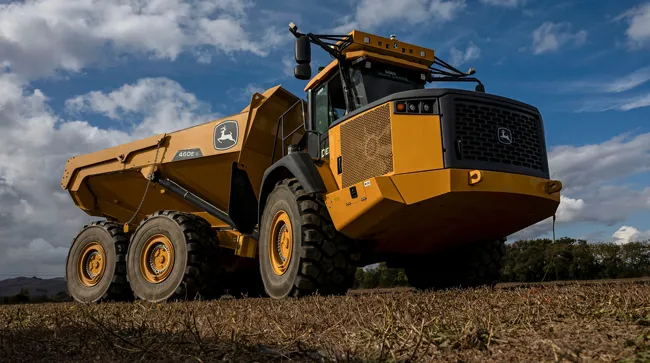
[366,146]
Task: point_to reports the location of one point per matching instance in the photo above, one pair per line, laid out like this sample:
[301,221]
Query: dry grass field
[605,321]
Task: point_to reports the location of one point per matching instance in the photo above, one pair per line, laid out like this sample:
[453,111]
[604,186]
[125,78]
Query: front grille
[477,128]
[366,146]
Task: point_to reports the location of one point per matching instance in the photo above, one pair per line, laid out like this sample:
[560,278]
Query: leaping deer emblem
[225,136]
[505,136]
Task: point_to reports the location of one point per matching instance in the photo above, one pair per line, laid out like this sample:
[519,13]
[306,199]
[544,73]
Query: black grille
[478,124]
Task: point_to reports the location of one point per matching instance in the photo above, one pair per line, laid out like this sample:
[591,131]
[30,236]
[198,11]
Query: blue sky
[506,63]
[84,75]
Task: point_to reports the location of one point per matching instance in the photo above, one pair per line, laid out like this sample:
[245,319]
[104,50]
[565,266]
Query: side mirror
[302,72]
[303,58]
[480,88]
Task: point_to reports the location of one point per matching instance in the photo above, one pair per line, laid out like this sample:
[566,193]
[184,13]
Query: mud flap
[242,205]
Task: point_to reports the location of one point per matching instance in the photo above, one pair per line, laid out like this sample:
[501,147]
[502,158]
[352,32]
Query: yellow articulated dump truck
[290,196]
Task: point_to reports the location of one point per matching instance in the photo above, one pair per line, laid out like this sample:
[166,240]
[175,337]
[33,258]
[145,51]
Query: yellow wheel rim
[92,264]
[280,243]
[157,259]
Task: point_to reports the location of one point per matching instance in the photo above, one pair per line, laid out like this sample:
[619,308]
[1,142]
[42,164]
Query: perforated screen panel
[366,146]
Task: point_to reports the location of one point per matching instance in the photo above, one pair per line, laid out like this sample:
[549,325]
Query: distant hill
[35,286]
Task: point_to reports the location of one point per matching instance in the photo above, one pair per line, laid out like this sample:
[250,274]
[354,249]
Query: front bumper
[419,212]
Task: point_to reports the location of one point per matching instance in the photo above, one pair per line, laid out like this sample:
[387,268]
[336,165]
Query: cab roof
[381,49]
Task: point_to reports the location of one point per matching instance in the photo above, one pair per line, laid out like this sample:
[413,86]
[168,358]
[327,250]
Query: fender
[297,165]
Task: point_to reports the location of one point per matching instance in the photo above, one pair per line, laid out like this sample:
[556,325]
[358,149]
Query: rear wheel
[96,264]
[466,266]
[300,251]
[171,257]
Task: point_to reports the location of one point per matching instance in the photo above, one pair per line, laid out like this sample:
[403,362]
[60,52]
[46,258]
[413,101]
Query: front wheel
[300,250]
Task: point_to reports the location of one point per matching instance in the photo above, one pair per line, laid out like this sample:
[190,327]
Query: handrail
[280,128]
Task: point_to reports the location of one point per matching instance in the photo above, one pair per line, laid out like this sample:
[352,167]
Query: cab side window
[329,104]
[321,110]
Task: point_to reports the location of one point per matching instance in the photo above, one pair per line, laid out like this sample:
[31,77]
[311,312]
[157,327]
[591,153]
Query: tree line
[543,260]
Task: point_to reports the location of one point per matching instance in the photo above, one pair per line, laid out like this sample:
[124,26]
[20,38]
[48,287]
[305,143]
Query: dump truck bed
[111,183]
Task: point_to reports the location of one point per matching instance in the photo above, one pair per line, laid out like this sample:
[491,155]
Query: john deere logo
[505,136]
[226,135]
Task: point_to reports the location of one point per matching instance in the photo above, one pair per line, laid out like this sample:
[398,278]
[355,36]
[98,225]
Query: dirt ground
[605,321]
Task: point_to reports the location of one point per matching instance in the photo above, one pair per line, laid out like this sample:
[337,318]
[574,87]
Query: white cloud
[550,37]
[638,31]
[155,104]
[446,10]
[38,251]
[633,80]
[627,234]
[288,64]
[569,209]
[245,94]
[37,218]
[371,14]
[616,104]
[252,89]
[615,85]
[582,166]
[588,174]
[459,57]
[37,38]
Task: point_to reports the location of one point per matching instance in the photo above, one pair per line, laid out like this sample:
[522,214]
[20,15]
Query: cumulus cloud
[38,251]
[638,19]
[627,234]
[35,143]
[550,37]
[371,14]
[37,38]
[154,105]
[460,57]
[618,157]
[589,174]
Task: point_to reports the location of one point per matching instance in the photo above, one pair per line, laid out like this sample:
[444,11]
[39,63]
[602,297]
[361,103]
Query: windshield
[373,80]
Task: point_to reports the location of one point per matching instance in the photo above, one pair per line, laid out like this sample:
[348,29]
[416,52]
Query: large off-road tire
[173,256]
[96,264]
[300,250]
[467,266]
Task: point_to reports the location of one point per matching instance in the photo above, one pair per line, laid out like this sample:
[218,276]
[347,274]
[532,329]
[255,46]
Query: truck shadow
[88,343]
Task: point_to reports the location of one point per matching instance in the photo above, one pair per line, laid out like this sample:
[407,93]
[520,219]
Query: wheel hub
[280,243]
[92,264]
[157,259]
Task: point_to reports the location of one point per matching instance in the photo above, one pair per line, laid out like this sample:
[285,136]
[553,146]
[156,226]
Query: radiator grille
[477,127]
[366,147]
